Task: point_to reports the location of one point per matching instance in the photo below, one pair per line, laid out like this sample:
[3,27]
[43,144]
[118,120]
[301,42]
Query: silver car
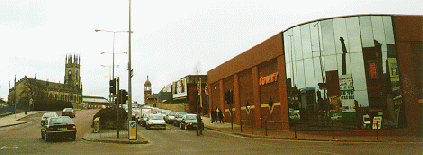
[46,116]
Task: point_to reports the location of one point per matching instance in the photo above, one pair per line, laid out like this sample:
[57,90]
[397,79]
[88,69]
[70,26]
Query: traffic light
[124,96]
[112,87]
[118,97]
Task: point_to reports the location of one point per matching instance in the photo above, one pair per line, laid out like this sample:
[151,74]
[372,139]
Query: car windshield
[172,114]
[60,120]
[191,117]
[154,117]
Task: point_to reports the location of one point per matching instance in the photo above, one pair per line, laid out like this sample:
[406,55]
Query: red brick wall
[408,32]
[270,90]
[267,50]
[246,91]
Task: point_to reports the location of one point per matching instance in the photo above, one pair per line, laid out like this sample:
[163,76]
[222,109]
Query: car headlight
[189,123]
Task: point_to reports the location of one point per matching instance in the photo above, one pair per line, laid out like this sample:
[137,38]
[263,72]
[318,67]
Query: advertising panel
[179,88]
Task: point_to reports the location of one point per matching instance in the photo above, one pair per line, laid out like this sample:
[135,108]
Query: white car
[170,117]
[155,121]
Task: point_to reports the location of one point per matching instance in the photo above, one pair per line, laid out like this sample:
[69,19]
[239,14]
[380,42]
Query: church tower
[147,90]
[72,72]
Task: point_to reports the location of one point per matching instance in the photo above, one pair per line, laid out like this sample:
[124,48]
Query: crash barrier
[329,126]
[96,124]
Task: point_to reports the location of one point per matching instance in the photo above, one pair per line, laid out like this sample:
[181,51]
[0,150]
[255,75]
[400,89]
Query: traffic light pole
[117,110]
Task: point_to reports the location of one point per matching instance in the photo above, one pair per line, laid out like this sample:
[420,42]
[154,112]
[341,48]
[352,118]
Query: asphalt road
[26,139]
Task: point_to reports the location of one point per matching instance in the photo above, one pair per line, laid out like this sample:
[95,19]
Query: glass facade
[344,69]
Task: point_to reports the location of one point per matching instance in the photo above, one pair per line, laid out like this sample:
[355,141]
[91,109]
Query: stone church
[35,94]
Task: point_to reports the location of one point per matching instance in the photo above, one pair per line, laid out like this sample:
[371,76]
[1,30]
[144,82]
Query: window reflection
[343,67]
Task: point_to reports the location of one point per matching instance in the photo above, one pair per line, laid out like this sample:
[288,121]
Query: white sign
[377,122]
[179,88]
[346,82]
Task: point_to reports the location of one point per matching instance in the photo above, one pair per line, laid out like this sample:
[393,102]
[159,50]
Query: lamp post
[113,52]
[113,72]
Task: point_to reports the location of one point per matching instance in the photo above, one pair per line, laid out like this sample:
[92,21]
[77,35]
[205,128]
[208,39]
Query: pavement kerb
[280,138]
[18,119]
[139,140]
[13,124]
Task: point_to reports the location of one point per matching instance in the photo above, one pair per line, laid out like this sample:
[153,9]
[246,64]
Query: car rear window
[51,114]
[67,110]
[60,120]
[154,117]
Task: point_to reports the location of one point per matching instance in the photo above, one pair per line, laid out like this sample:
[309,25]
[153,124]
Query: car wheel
[180,126]
[73,137]
[47,137]
[42,135]
[185,127]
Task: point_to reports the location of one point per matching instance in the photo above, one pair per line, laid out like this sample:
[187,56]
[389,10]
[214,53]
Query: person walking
[200,125]
[221,116]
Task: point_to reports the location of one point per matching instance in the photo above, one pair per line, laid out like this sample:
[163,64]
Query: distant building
[185,90]
[147,92]
[92,102]
[32,93]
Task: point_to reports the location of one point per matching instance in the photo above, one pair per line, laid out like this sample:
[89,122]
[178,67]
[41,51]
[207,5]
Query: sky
[170,39]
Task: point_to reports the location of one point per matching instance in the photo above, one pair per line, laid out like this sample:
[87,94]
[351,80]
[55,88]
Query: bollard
[295,131]
[241,125]
[265,126]
[97,124]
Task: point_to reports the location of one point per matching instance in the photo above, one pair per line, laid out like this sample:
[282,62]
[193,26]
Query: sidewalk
[302,135]
[13,119]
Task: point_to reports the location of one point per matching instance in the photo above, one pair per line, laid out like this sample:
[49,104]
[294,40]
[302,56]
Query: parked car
[170,117]
[68,112]
[155,121]
[178,118]
[293,114]
[58,127]
[189,121]
[46,116]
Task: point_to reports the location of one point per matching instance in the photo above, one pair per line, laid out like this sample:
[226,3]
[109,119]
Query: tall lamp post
[113,52]
[113,72]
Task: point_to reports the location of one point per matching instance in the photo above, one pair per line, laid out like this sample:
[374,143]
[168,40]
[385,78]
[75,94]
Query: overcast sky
[170,37]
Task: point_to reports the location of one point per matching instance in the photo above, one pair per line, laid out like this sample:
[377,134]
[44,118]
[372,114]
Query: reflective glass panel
[366,31]
[328,40]
[306,42]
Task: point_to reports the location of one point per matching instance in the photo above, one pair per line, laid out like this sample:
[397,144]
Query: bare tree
[197,68]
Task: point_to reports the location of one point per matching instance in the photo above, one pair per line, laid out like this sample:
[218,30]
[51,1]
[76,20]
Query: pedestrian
[213,116]
[200,125]
[221,116]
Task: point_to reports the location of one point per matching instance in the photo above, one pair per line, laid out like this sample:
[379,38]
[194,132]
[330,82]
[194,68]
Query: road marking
[329,152]
[186,140]
[8,147]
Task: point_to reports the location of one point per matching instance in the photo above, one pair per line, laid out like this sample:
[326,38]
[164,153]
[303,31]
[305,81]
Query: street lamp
[114,35]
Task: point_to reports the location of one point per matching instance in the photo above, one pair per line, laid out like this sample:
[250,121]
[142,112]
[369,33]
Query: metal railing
[331,126]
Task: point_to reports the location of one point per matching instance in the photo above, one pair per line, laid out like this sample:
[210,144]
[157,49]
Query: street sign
[132,130]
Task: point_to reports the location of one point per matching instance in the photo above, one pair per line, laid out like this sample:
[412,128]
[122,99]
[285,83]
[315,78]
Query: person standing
[213,116]
[200,125]
[220,114]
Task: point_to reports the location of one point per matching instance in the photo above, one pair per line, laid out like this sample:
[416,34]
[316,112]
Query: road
[26,139]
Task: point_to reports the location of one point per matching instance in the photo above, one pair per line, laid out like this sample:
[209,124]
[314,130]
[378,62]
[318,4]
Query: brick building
[344,68]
